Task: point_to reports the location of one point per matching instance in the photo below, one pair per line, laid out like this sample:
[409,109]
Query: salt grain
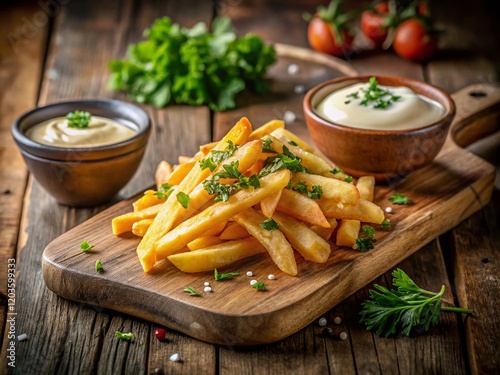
[22,337]
[271,277]
[174,357]
[207,289]
[299,89]
[293,69]
[337,320]
[249,273]
[388,210]
[206,283]
[322,322]
[289,116]
[253,282]
[343,335]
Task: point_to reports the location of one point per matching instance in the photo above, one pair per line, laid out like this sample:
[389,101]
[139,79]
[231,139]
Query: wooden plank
[454,186]
[83,340]
[22,51]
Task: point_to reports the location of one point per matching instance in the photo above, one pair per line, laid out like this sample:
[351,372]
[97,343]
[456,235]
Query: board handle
[477,113]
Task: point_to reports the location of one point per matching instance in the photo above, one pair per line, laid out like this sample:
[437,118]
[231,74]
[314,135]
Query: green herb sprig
[407,309]
[183,199]
[259,285]
[230,171]
[374,95]
[163,191]
[78,119]
[365,243]
[192,292]
[124,336]
[85,246]
[216,157]
[286,160]
[269,224]
[98,266]
[399,198]
[316,191]
[222,276]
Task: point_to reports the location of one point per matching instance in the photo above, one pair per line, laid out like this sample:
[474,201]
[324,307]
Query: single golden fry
[171,209]
[325,233]
[216,256]
[206,148]
[216,229]
[266,129]
[124,223]
[140,227]
[197,225]
[311,246]
[202,242]
[348,231]
[180,172]
[366,187]
[182,159]
[162,173]
[364,210]
[268,205]
[234,231]
[302,207]
[340,191]
[286,136]
[147,200]
[273,240]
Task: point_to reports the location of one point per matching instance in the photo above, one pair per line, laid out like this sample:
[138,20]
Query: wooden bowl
[84,176]
[388,155]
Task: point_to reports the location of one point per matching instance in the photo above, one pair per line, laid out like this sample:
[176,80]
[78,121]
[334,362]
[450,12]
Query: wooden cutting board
[453,187]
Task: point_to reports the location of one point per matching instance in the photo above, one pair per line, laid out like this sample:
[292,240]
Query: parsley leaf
[348,179]
[377,96]
[266,146]
[192,292]
[163,191]
[183,199]
[286,160]
[216,157]
[386,224]
[407,309]
[223,191]
[85,246]
[365,243]
[269,224]
[293,143]
[336,170]
[98,266]
[124,336]
[400,199]
[301,187]
[193,66]
[221,276]
[259,285]
[78,119]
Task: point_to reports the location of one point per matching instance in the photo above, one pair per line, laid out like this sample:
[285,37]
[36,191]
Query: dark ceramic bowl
[84,176]
[386,154]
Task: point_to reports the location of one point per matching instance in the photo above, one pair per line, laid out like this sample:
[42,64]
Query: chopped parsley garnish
[266,146]
[269,224]
[78,119]
[348,179]
[400,199]
[374,95]
[221,276]
[191,291]
[386,224]
[216,157]
[85,246]
[365,243]
[163,191]
[301,187]
[124,336]
[293,143]
[407,309]
[259,285]
[286,160]
[98,266]
[223,191]
[183,199]
[336,170]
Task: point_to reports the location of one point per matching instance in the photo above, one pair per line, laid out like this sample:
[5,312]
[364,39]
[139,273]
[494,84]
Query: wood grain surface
[453,187]
[68,337]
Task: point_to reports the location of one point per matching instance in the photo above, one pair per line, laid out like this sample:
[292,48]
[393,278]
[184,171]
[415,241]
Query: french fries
[236,198]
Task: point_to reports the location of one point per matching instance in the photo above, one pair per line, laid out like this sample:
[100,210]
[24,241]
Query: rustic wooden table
[50,52]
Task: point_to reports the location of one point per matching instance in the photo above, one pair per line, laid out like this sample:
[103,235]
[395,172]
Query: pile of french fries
[207,234]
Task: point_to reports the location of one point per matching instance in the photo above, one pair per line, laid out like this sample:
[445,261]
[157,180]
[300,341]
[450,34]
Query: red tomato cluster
[408,29]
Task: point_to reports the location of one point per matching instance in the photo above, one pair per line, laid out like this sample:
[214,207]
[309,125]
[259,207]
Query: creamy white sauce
[408,112]
[101,131]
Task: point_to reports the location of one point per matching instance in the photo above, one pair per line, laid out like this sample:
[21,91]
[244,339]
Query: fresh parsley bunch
[193,66]
[406,309]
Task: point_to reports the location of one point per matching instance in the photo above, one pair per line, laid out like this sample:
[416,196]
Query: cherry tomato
[373,23]
[322,38]
[412,41]
[160,334]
